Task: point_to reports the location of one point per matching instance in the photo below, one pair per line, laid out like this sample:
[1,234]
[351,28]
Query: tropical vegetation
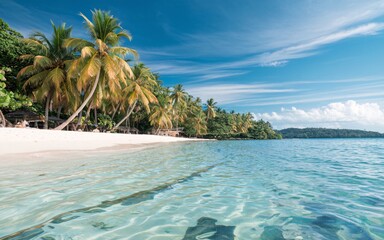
[98,82]
[328,133]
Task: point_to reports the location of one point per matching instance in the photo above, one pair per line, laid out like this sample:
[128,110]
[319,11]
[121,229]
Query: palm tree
[178,97]
[101,63]
[161,117]
[139,89]
[200,123]
[194,106]
[211,108]
[47,75]
[232,120]
[239,123]
[247,121]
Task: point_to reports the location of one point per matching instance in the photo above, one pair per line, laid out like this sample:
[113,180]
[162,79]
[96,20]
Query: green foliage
[8,99]
[263,130]
[239,126]
[221,126]
[105,122]
[195,124]
[327,133]
[11,48]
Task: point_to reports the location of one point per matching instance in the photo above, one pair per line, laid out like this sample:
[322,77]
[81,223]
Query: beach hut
[174,132]
[132,130]
[56,121]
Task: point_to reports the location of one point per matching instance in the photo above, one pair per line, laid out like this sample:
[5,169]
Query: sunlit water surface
[289,189]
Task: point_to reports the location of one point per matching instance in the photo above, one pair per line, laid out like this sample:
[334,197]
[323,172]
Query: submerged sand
[29,141]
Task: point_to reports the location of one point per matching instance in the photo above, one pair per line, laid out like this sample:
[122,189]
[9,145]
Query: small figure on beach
[23,124]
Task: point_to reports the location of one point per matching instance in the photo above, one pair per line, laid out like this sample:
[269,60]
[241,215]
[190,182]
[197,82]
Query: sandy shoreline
[34,143]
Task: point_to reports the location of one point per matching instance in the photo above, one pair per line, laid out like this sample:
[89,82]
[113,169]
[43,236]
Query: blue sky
[294,63]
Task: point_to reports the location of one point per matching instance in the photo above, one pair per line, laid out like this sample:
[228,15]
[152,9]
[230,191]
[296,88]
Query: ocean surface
[287,189]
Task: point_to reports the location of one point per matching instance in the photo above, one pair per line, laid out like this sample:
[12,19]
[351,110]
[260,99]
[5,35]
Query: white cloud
[306,49]
[349,114]
[231,93]
[274,58]
[289,24]
[278,63]
[255,39]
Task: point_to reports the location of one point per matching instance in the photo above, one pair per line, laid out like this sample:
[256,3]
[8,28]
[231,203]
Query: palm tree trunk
[157,131]
[70,119]
[95,112]
[116,110]
[2,120]
[47,104]
[79,117]
[126,116]
[59,111]
[87,115]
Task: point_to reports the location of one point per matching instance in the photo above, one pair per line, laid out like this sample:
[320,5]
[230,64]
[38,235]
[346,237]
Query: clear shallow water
[289,189]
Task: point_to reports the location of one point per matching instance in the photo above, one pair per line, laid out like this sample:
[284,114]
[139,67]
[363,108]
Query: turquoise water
[288,189]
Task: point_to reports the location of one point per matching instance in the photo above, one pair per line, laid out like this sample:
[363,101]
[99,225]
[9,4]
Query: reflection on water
[290,189]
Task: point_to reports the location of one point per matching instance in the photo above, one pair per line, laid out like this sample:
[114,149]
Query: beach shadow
[329,226]
[132,199]
[272,233]
[206,228]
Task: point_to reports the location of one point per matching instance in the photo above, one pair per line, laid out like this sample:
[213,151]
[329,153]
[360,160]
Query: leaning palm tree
[101,63]
[139,89]
[211,108]
[47,75]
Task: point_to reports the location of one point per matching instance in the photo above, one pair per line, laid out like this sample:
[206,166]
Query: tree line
[328,133]
[92,82]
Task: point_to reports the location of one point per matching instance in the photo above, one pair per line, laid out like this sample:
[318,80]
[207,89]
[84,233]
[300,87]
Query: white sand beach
[29,140]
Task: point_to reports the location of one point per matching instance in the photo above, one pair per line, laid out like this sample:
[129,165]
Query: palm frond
[110,67]
[90,26]
[124,66]
[101,45]
[87,51]
[90,70]
[42,38]
[124,34]
[55,78]
[36,45]
[26,71]
[36,80]
[41,62]
[123,51]
[77,43]
[26,56]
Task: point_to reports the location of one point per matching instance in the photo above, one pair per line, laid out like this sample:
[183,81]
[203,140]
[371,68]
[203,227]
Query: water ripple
[289,189]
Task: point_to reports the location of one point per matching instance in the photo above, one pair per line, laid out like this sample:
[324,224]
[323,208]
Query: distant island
[327,133]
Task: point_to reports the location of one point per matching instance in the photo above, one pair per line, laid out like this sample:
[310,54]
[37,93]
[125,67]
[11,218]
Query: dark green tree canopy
[11,48]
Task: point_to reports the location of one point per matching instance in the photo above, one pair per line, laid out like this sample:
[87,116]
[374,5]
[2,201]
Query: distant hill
[327,133]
